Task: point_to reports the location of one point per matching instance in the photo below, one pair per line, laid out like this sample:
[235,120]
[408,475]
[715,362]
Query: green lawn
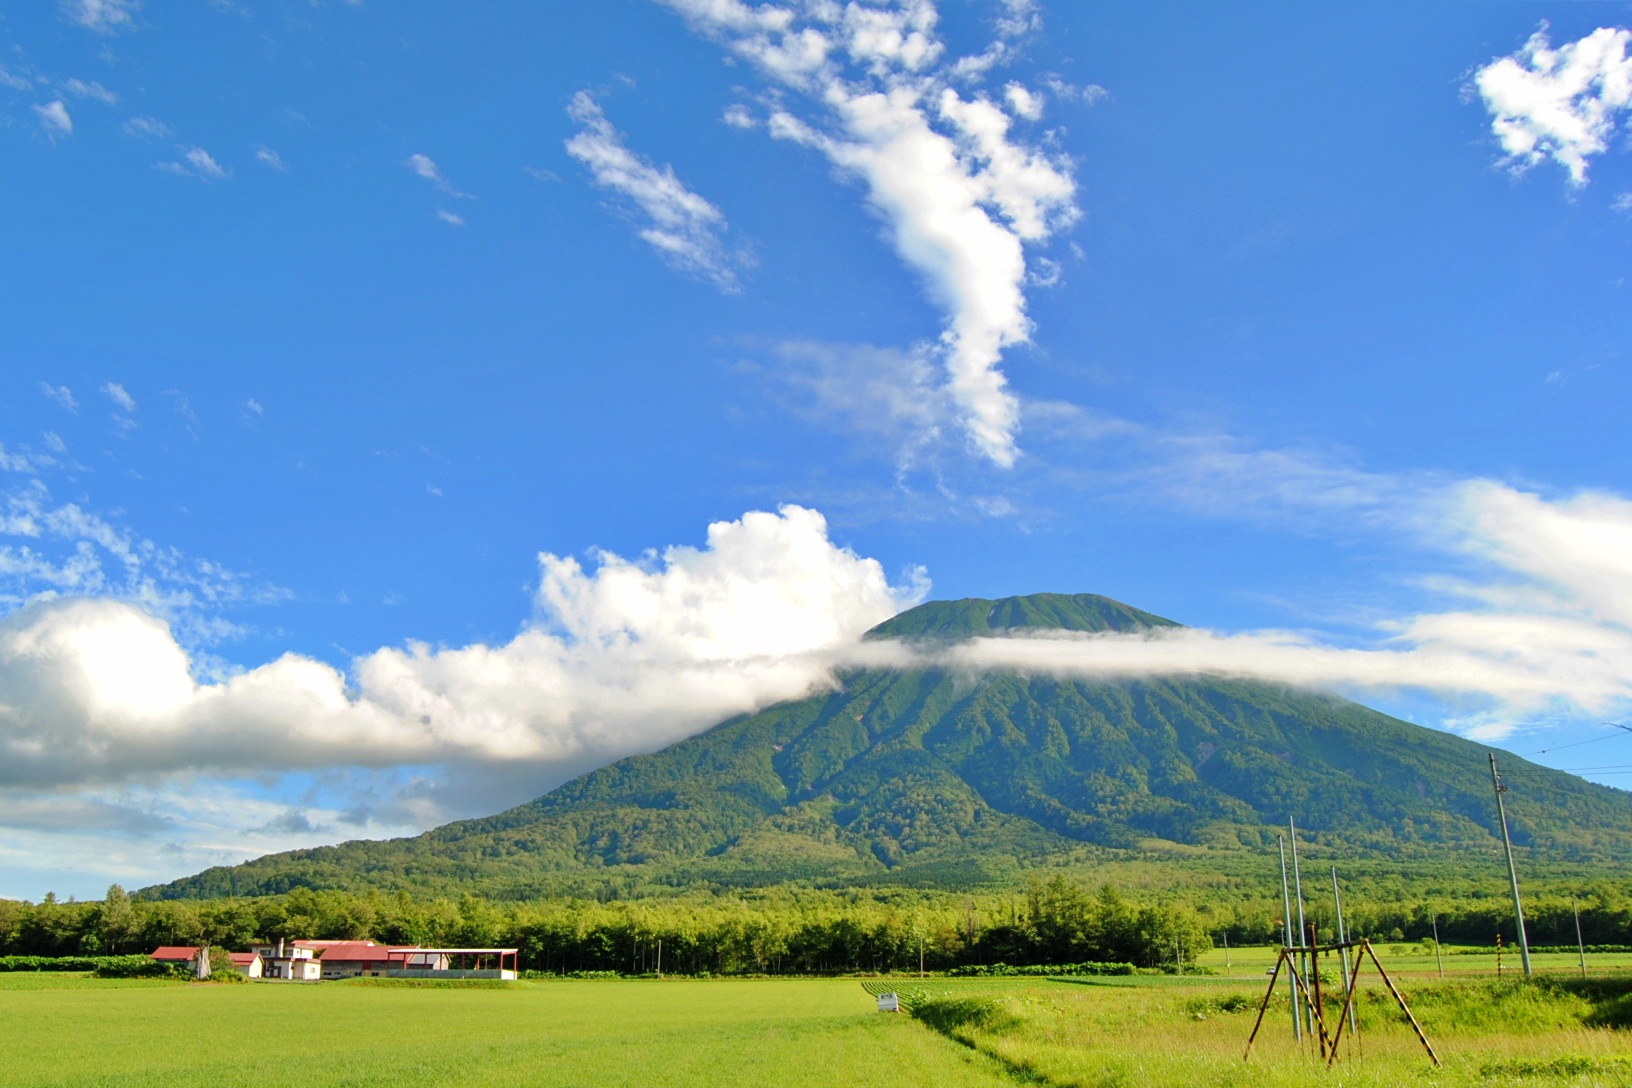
[72,1030]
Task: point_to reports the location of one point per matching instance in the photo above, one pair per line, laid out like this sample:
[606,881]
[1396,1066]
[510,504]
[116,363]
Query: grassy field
[72,1030]
[1156,1031]
[1410,960]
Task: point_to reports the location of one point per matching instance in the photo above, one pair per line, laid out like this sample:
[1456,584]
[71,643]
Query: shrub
[1004,970]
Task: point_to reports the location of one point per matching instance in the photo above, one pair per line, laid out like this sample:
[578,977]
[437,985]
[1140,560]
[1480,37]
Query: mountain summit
[976,617]
[943,778]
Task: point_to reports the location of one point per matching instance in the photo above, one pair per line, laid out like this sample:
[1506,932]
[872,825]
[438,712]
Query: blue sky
[1303,325]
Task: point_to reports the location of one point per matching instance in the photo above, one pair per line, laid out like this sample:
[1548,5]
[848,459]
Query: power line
[1591,740]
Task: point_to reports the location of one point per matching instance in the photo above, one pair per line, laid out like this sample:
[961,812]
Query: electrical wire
[1625,730]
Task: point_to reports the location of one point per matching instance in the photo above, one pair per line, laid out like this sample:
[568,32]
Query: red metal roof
[352,952]
[242,959]
[176,952]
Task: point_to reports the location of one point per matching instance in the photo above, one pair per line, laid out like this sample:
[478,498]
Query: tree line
[789,930]
[777,932]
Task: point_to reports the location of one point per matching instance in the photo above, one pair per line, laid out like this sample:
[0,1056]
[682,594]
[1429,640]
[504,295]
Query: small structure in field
[247,963]
[453,963]
[181,955]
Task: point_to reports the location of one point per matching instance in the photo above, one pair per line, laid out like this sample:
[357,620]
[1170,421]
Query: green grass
[87,1033]
[62,1030]
[1407,960]
[1113,1032]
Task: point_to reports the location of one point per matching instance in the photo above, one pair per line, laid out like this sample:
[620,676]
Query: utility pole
[1433,920]
[1512,873]
[1580,948]
[1227,972]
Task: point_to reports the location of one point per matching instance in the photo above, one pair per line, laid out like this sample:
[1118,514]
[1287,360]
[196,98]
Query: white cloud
[1088,94]
[738,116]
[1622,203]
[888,394]
[1024,103]
[47,548]
[16,82]
[960,197]
[54,118]
[196,163]
[204,164]
[426,168]
[266,156]
[627,658]
[79,88]
[148,128]
[116,393]
[1561,103]
[685,229]
[1544,628]
[61,394]
[450,217]
[102,16]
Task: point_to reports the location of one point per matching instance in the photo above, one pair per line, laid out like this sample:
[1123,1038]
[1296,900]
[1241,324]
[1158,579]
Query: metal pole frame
[1286,939]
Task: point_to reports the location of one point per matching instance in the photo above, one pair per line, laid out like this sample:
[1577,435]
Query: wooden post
[1268,993]
[1314,977]
[1416,1027]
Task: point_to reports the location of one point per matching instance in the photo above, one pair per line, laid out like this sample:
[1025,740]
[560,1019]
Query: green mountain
[931,777]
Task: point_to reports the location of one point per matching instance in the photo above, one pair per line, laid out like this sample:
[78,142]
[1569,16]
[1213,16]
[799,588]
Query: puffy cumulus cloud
[627,658]
[1560,104]
[961,197]
[687,231]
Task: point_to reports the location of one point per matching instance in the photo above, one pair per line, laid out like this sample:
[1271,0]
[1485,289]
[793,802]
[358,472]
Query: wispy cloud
[686,230]
[267,157]
[451,218]
[196,163]
[1560,104]
[102,16]
[54,118]
[116,393]
[148,128]
[61,394]
[16,82]
[961,195]
[81,89]
[426,168]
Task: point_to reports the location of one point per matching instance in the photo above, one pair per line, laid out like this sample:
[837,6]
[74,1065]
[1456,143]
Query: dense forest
[794,931]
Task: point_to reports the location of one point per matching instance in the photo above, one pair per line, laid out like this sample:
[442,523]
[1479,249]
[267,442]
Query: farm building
[350,959]
[182,955]
[288,962]
[313,961]
[453,963]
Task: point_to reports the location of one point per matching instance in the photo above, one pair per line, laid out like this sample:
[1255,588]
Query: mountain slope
[934,777]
